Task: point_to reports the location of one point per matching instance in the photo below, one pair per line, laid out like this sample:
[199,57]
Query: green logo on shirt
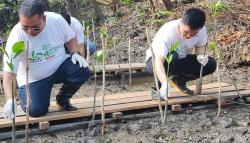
[47,53]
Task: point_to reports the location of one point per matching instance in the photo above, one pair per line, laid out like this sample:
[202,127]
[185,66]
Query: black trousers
[185,69]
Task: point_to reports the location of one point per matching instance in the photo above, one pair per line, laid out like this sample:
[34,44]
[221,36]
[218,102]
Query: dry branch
[27,93]
[129,60]
[155,77]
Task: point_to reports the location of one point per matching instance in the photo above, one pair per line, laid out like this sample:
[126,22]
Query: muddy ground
[191,126]
[188,126]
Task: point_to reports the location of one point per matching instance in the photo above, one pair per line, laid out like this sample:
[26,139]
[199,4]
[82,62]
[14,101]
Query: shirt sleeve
[161,44]
[12,39]
[78,29]
[67,32]
[202,38]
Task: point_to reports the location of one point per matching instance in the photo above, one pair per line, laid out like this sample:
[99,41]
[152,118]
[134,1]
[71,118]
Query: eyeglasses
[188,32]
[33,29]
[191,34]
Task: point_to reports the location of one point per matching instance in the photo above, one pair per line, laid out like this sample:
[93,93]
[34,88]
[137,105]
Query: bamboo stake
[114,49]
[218,78]
[93,29]
[166,100]
[1,86]
[199,82]
[13,110]
[155,78]
[232,80]
[88,53]
[218,66]
[103,83]
[13,107]
[129,60]
[94,103]
[27,94]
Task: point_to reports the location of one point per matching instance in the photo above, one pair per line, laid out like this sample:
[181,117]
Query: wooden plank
[123,98]
[176,108]
[117,115]
[43,125]
[115,67]
[128,97]
[123,67]
[88,102]
[117,108]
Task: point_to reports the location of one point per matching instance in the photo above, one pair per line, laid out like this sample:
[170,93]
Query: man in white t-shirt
[185,66]
[47,33]
[78,28]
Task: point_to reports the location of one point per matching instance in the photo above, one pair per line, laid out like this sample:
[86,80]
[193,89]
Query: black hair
[65,14]
[195,18]
[30,8]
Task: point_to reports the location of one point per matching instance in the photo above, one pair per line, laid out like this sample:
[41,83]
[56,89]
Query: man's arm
[7,84]
[72,45]
[82,50]
[159,68]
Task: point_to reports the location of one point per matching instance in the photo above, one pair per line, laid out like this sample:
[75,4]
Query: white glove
[7,109]
[163,90]
[202,59]
[78,58]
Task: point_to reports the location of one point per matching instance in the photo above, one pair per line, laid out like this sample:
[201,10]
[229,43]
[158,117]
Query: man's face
[186,32]
[34,25]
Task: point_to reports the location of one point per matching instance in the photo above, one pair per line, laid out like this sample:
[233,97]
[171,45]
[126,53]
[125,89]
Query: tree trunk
[166,3]
[98,10]
[71,8]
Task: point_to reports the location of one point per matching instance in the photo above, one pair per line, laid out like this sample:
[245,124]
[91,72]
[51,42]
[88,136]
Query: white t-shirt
[46,50]
[168,35]
[78,29]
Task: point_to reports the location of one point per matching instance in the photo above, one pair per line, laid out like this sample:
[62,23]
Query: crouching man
[185,66]
[78,28]
[47,33]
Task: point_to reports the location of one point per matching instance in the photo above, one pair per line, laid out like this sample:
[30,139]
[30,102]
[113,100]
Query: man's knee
[36,110]
[85,75]
[211,66]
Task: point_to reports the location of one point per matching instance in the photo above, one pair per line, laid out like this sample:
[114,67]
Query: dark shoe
[182,87]
[65,106]
[62,98]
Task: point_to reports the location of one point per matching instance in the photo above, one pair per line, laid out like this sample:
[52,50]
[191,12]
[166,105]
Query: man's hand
[202,59]
[163,90]
[78,58]
[7,109]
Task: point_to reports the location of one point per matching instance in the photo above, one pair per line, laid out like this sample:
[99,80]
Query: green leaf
[103,32]
[4,52]
[99,56]
[162,13]
[157,21]
[11,66]
[169,58]
[174,46]
[212,46]
[18,47]
[126,2]
[218,4]
[86,27]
